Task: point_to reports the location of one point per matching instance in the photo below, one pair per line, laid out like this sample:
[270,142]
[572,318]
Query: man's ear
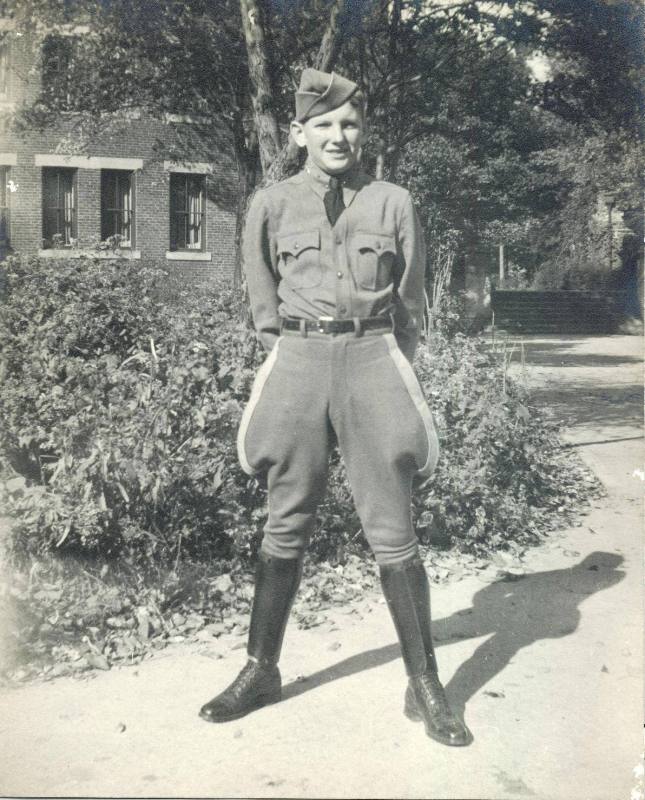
[298,133]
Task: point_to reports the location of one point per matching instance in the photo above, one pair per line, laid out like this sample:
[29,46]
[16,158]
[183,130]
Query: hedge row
[121,397]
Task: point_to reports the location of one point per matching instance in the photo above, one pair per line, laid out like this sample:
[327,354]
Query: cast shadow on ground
[570,445]
[560,352]
[581,405]
[512,613]
[561,356]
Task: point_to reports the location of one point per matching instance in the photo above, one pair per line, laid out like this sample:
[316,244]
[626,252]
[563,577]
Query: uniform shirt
[371,263]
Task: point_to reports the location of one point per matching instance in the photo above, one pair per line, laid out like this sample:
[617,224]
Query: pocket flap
[378,242]
[297,242]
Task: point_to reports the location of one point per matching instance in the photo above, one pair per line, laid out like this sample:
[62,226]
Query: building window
[59,207]
[117,206]
[4,71]
[186,212]
[4,211]
[57,71]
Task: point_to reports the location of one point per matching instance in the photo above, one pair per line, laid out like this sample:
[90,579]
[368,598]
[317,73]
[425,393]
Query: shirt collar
[353,179]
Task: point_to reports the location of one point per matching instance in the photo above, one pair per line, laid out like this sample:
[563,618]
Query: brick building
[152,185]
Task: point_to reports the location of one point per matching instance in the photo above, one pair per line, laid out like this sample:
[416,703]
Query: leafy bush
[450,316]
[119,410]
[569,274]
[502,472]
[121,399]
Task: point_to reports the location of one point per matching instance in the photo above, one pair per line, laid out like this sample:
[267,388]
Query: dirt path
[548,667]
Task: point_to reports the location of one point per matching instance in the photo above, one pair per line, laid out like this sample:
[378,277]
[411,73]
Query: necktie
[334,204]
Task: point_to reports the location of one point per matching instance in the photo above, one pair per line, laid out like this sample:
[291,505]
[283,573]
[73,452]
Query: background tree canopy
[510,121]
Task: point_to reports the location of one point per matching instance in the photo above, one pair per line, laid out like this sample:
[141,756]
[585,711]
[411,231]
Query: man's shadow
[515,611]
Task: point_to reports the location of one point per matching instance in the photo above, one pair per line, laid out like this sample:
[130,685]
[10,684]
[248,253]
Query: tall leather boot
[259,682]
[407,593]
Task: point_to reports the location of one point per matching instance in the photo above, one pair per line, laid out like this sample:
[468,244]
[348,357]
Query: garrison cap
[320,92]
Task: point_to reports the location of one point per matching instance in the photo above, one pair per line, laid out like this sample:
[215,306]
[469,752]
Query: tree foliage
[455,109]
[598,63]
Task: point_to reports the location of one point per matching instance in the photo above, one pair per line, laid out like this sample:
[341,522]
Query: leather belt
[331,325]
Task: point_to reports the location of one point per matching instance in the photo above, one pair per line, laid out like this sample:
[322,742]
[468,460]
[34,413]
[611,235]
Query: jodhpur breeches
[364,390]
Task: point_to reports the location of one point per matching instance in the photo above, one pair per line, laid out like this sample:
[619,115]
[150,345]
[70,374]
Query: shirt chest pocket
[374,256]
[299,259]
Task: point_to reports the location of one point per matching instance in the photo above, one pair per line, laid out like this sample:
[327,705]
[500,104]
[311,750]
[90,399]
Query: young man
[335,266]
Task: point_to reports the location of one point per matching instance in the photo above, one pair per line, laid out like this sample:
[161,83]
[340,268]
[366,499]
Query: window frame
[187,177]
[5,209]
[47,173]
[5,66]
[128,244]
[56,71]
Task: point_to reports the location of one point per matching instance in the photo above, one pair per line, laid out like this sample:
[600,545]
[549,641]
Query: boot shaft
[276,584]
[406,590]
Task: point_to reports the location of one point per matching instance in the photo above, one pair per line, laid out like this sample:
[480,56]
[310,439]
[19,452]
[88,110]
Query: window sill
[86,162]
[188,167]
[188,255]
[185,119]
[75,252]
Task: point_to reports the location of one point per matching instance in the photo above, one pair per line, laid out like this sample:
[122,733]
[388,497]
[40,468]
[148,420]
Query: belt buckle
[322,324]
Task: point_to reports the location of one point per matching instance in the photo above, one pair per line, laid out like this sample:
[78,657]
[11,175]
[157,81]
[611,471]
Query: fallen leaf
[143,623]
[515,786]
[215,628]
[97,660]
[116,622]
[240,630]
[222,584]
[506,576]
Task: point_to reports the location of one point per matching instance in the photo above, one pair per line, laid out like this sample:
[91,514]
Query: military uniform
[335,270]
[356,385]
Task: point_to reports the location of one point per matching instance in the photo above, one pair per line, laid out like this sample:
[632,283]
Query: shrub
[502,471]
[122,394]
[119,410]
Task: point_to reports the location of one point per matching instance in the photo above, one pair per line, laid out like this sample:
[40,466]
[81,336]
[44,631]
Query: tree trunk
[262,94]
[391,94]
[333,38]
[379,171]
[394,156]
[246,184]
[245,147]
